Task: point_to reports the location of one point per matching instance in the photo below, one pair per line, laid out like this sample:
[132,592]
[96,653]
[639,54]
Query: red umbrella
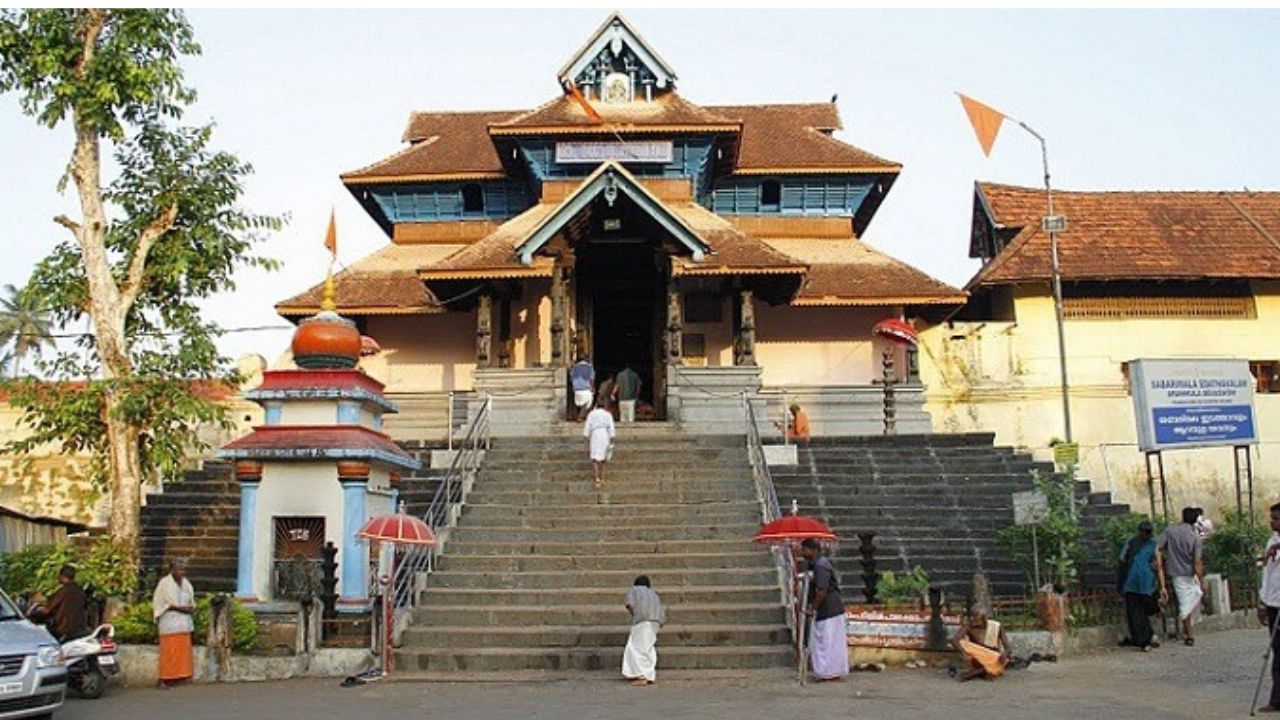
[899,331]
[398,529]
[794,527]
[369,346]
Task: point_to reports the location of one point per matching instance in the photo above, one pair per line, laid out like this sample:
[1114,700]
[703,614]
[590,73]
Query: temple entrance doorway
[620,291]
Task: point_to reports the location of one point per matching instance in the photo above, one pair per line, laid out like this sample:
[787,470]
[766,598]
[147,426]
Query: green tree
[25,325]
[164,233]
[1058,535]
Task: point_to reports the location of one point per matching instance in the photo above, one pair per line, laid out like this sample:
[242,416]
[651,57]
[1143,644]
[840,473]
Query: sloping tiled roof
[443,144]
[666,110]
[311,442]
[495,255]
[1135,235]
[792,137]
[773,137]
[850,272]
[734,252]
[384,283]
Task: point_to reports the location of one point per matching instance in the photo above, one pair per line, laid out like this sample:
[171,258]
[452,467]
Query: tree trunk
[126,480]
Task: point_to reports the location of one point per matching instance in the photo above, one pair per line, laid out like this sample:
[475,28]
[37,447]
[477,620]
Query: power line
[171,333]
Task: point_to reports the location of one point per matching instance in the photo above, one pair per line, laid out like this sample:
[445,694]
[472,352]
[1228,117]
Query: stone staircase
[936,501]
[534,575]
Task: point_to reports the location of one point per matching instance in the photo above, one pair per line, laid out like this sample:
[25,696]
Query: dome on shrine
[326,341]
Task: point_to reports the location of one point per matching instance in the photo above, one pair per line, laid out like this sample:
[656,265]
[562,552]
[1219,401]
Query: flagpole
[1057,282]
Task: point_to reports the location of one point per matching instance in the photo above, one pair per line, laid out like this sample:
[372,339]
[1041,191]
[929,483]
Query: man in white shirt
[1269,608]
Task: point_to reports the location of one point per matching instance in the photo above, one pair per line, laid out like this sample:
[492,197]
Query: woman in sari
[172,605]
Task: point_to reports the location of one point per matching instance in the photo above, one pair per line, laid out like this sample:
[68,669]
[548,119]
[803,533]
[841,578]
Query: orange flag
[985,119]
[331,237]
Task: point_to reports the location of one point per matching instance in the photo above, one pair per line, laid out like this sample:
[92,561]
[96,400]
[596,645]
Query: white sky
[1127,100]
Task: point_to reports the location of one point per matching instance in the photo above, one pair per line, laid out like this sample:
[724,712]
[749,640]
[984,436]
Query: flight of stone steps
[534,576]
[934,501]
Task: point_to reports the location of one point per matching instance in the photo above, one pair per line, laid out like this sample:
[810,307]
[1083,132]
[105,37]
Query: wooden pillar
[484,331]
[675,326]
[746,341]
[559,316]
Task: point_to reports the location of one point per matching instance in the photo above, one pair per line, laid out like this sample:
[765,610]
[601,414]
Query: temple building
[714,249]
[1144,275]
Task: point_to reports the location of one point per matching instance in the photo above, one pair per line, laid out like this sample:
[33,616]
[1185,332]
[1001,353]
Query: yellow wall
[1004,377]
[423,353]
[799,346]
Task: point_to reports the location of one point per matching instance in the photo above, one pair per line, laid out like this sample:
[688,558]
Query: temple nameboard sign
[1185,403]
[587,151]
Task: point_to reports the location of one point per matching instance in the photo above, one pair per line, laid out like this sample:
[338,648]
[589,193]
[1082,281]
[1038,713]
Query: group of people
[1150,565]
[172,606]
[594,405]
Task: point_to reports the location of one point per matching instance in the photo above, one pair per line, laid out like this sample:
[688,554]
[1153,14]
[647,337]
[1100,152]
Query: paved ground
[1213,680]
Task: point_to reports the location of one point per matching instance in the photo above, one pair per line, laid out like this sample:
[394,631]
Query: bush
[104,570]
[894,589]
[1231,548]
[135,625]
[1058,536]
[244,624]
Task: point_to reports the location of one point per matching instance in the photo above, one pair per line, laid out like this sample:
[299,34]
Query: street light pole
[1053,224]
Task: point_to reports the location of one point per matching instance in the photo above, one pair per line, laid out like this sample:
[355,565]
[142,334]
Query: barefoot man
[640,658]
[829,644]
[984,644]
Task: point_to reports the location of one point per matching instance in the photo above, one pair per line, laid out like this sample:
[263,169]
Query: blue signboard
[1193,403]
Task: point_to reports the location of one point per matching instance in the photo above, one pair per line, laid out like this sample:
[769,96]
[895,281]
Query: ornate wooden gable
[616,65]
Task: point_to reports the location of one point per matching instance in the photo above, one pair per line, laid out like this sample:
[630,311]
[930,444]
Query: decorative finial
[328,302]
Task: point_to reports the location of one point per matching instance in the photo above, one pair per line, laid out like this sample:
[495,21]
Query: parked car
[33,677]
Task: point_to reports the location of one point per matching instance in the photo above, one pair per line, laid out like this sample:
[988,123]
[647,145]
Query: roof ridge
[1249,218]
[1064,191]
[414,114]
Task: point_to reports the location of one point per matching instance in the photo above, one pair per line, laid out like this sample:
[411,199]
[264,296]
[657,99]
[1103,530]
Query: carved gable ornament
[617,66]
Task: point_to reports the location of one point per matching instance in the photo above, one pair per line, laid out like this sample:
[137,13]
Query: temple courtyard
[1214,679]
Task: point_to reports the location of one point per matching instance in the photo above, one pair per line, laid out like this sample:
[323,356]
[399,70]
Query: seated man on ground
[985,646]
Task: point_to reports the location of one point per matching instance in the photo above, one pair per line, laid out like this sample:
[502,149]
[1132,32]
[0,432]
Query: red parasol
[369,346]
[794,527]
[899,331]
[398,529]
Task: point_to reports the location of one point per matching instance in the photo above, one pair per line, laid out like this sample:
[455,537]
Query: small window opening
[770,193]
[472,198]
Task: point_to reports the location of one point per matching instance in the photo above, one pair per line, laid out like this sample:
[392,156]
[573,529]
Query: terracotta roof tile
[667,109]
[304,442]
[850,272]
[793,137]
[385,282]
[443,143]
[1136,235]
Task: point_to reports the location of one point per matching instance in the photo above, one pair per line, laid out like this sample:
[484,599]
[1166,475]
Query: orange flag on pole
[985,119]
[331,237]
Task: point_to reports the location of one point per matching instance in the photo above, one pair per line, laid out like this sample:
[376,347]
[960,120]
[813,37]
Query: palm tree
[24,325]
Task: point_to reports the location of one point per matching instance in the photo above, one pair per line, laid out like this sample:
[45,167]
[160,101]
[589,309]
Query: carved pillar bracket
[484,331]
[559,320]
[675,326]
[746,354]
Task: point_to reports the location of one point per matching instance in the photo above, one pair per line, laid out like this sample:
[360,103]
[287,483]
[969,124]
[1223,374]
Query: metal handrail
[442,514]
[783,555]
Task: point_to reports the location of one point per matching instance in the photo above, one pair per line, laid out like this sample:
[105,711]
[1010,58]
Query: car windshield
[8,611]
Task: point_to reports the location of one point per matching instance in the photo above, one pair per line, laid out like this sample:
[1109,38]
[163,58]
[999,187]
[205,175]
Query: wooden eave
[610,129]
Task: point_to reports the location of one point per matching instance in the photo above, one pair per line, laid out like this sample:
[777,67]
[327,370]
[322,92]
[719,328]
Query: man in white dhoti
[829,646]
[640,658]
[1181,554]
[599,432]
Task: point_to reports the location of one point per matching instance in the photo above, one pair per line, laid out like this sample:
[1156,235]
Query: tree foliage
[164,234]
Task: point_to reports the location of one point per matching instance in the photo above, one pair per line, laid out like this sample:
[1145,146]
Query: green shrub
[1058,536]
[1231,548]
[893,589]
[244,624]
[24,571]
[135,625]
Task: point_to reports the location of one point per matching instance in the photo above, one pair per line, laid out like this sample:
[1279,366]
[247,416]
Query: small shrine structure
[318,468]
